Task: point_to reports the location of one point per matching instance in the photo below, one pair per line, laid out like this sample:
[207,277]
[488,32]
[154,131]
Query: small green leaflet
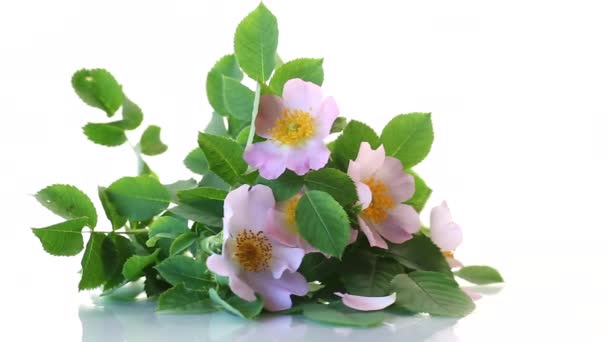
[322,222]
[238,306]
[98,261]
[138,198]
[150,143]
[422,194]
[68,202]
[480,275]
[197,162]
[182,269]
[307,69]
[408,137]
[182,243]
[216,125]
[284,187]
[431,292]
[225,156]
[238,99]
[255,43]
[180,299]
[134,267]
[98,88]
[335,182]
[346,146]
[226,66]
[420,254]
[132,116]
[207,212]
[338,314]
[365,274]
[106,134]
[62,239]
[112,214]
[124,250]
[163,228]
[202,193]
[317,267]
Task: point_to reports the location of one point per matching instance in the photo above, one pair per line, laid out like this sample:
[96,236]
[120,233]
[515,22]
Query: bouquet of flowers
[281,220]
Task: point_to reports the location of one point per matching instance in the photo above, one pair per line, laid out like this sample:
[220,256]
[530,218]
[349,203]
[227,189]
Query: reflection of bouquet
[278,212]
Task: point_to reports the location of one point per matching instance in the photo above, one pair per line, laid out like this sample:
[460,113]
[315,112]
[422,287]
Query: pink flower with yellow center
[294,127]
[383,186]
[253,261]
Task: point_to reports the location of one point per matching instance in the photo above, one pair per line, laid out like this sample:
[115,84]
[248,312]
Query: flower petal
[405,216]
[401,184]
[219,265]
[299,94]
[445,233]
[313,156]
[364,194]
[285,258]
[364,303]
[472,294]
[277,292]
[268,157]
[277,230]
[375,240]
[241,288]
[454,263]
[325,117]
[246,208]
[269,110]
[369,160]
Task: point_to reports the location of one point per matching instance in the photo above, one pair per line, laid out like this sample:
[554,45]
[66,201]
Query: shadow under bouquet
[279,220]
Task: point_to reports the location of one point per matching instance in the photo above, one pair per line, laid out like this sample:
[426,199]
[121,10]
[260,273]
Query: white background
[518,92]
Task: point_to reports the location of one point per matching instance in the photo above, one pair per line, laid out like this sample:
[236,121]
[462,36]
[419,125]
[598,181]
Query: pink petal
[277,231]
[405,216]
[241,288]
[369,160]
[364,303]
[375,240]
[268,157]
[354,171]
[277,292]
[445,233]
[472,294]
[400,184]
[219,265]
[364,194]
[285,258]
[299,94]
[269,110]
[354,234]
[246,208]
[325,117]
[313,156]
[454,263]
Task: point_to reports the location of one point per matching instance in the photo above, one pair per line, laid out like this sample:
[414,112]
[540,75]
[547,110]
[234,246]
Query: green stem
[254,114]
[133,231]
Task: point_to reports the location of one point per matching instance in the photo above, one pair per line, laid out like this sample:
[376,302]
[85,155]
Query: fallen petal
[363,303]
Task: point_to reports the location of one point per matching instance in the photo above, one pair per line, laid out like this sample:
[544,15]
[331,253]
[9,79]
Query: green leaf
[238,306]
[480,275]
[68,202]
[211,180]
[106,134]
[243,135]
[62,239]
[236,126]
[154,284]
[238,99]
[335,182]
[318,267]
[134,267]
[124,250]
[132,116]
[150,142]
[422,194]
[339,124]
[166,227]
[216,125]
[322,222]
[139,198]
[182,269]
[337,313]
[368,275]
[180,299]
[284,187]
[408,137]
[226,66]
[307,69]
[225,157]
[178,186]
[99,89]
[433,293]
[255,43]
[207,212]
[197,162]
[98,261]
[202,193]
[420,254]
[112,214]
[346,146]
[182,243]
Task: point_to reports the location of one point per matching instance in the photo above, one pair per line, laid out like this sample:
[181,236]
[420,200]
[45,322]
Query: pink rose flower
[294,127]
[253,261]
[382,187]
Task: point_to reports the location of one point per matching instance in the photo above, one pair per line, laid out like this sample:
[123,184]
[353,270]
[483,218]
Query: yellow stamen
[290,209]
[448,254]
[292,127]
[381,201]
[253,250]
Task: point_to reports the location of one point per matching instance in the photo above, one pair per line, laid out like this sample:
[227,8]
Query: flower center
[290,211]
[292,127]
[253,250]
[448,254]
[381,201]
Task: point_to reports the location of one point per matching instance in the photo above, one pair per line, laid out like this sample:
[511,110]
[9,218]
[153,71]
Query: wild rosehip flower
[295,127]
[252,260]
[383,186]
[445,233]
